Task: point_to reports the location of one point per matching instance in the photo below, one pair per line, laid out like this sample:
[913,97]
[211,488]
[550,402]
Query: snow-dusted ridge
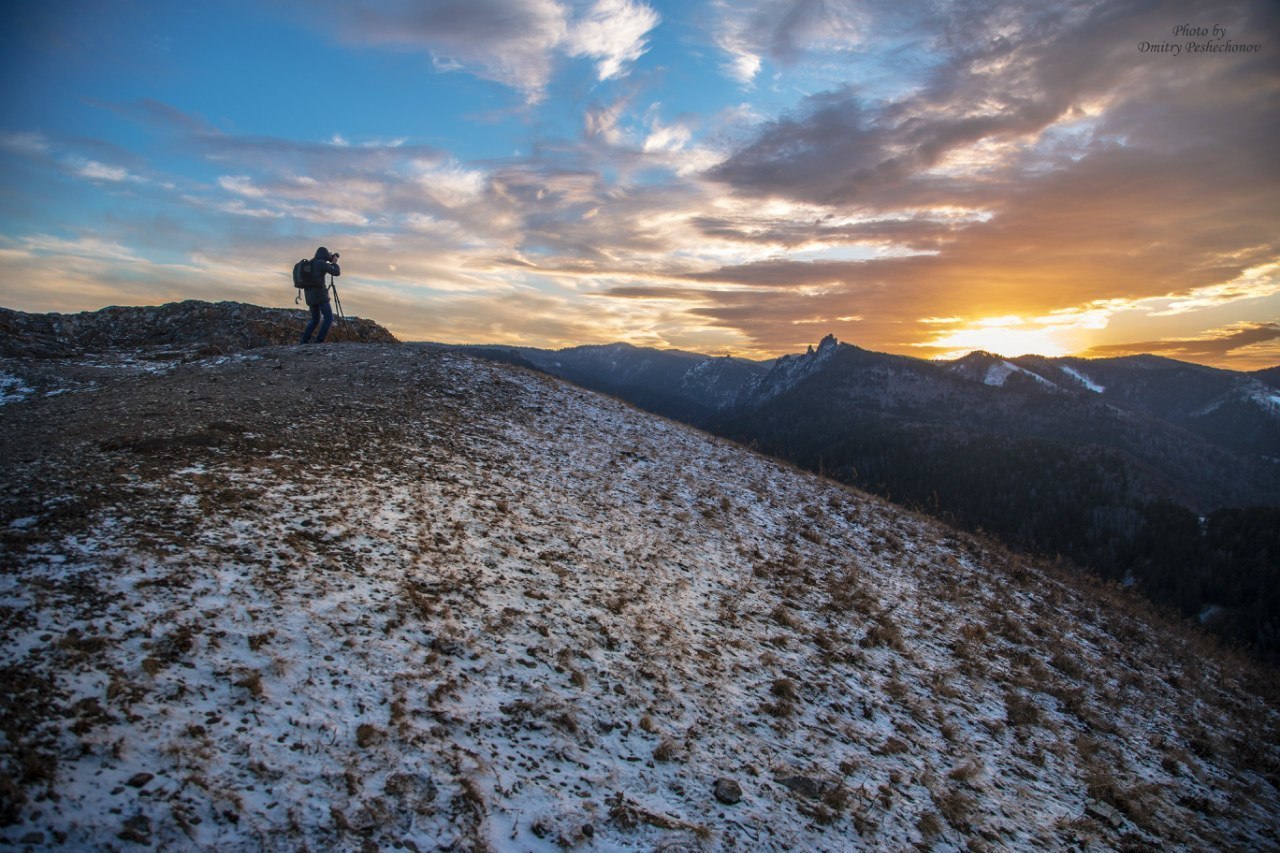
[380,596]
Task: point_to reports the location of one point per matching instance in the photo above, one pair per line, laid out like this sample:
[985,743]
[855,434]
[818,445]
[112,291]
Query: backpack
[302,275]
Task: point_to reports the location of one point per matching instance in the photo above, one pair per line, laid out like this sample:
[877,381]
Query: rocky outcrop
[788,372]
[204,328]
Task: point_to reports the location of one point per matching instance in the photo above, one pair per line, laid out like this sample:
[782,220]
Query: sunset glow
[726,175]
[1007,336]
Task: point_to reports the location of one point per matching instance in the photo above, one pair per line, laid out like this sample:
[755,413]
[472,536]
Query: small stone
[1105,813]
[139,780]
[727,791]
[136,829]
[32,838]
[805,786]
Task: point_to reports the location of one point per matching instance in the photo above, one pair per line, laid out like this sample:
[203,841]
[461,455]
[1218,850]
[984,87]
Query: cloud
[1217,344]
[27,143]
[1042,165]
[95,171]
[603,121]
[82,158]
[1005,75]
[613,33]
[241,185]
[1036,166]
[512,43]
[785,31]
[1252,283]
[667,137]
[509,43]
[51,273]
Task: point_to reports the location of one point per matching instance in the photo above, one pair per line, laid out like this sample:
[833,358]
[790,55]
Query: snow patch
[1083,380]
[1266,397]
[1209,613]
[13,389]
[999,372]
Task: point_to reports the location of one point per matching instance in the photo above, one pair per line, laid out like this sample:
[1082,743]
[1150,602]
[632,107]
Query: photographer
[317,294]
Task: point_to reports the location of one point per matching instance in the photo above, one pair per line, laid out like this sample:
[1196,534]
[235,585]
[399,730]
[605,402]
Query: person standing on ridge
[317,294]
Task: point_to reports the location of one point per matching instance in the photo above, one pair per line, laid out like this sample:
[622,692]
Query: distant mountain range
[1099,460]
[1237,411]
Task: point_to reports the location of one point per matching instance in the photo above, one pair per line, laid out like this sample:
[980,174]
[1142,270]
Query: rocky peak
[789,371]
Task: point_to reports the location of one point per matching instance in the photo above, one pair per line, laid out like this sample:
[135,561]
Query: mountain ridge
[1047,372]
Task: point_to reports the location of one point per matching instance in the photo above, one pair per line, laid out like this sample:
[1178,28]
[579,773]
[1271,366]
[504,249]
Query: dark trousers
[317,311]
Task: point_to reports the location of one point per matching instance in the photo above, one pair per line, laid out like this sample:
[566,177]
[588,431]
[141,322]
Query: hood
[322,254]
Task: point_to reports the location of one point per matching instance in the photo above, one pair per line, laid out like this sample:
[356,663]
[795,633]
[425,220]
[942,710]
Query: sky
[739,177]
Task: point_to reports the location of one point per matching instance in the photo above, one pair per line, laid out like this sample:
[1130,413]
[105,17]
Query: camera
[334,256]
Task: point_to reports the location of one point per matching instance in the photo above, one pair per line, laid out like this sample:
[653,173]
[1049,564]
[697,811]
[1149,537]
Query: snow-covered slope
[382,596]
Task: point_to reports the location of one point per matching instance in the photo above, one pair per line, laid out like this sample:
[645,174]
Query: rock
[1104,813]
[805,786]
[453,648]
[136,829]
[727,791]
[32,838]
[140,780]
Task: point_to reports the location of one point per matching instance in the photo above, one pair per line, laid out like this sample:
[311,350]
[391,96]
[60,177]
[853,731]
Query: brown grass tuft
[665,750]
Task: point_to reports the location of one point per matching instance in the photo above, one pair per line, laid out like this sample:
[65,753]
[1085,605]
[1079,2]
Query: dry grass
[784,617]
[893,746]
[785,689]
[1021,710]
[884,632]
[930,825]
[905,661]
[957,807]
[666,750]
[251,681]
[368,735]
[967,772]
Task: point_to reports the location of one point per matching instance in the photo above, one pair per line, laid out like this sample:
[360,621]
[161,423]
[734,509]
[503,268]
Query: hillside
[388,596]
[1147,470]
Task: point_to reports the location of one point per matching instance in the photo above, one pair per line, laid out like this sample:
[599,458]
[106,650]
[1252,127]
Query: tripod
[333,286]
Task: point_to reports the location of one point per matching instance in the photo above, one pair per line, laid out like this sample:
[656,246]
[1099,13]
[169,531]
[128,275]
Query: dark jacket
[318,293]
